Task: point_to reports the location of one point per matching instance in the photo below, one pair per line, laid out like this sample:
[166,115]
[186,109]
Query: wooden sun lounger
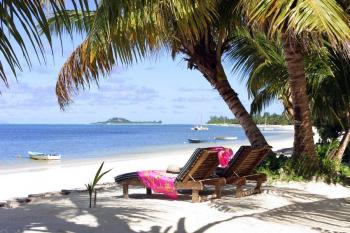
[242,166]
[197,173]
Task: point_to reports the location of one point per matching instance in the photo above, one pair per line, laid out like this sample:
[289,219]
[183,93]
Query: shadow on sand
[114,214]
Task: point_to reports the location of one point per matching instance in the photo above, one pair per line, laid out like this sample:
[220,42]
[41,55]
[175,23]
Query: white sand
[21,182]
[313,207]
[283,207]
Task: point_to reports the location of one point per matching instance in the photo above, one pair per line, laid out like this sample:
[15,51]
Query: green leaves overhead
[27,15]
[124,32]
[305,20]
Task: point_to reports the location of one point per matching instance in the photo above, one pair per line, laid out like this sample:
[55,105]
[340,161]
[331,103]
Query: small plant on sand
[91,186]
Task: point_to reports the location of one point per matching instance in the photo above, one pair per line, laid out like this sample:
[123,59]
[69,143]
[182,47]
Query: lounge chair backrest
[246,160]
[201,165]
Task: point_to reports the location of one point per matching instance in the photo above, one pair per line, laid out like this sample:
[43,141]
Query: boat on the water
[199,128]
[43,156]
[192,140]
[225,138]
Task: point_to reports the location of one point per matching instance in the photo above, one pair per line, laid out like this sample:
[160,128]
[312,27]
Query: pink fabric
[224,155]
[162,182]
[159,182]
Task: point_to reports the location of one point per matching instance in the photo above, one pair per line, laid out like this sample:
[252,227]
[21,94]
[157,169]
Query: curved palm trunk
[342,146]
[231,98]
[304,146]
[216,76]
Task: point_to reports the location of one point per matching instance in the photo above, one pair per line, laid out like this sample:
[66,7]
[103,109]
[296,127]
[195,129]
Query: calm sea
[75,142]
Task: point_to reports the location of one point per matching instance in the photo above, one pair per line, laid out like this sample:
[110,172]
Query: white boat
[43,156]
[225,138]
[199,127]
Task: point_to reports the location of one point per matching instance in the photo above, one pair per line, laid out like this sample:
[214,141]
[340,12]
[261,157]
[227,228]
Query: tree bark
[231,99]
[304,146]
[207,61]
[342,146]
[218,79]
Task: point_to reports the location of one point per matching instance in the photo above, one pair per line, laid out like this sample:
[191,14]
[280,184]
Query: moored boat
[199,128]
[191,140]
[43,156]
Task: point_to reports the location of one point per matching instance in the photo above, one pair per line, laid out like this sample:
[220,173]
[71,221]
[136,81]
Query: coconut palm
[327,81]
[18,24]
[200,31]
[299,25]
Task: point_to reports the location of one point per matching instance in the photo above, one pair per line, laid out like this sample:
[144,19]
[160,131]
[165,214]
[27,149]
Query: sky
[155,89]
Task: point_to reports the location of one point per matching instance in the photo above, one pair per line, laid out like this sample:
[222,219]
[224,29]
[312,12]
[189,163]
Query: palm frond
[27,15]
[124,32]
[308,20]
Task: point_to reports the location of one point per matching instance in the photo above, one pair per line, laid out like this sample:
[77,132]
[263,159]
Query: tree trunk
[250,128]
[230,97]
[342,146]
[304,146]
[209,64]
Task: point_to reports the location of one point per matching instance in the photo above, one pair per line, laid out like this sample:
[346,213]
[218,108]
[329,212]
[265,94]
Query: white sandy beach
[282,207]
[20,182]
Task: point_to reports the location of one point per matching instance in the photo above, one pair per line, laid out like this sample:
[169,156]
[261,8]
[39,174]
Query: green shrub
[284,169]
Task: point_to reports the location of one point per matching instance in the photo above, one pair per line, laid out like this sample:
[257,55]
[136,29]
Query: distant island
[119,120]
[266,118]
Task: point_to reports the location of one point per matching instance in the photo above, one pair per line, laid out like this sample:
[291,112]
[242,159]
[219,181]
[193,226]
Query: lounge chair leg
[239,191]
[257,189]
[195,196]
[148,191]
[218,191]
[125,190]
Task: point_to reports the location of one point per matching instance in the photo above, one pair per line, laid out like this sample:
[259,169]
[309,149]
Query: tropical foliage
[280,167]
[91,187]
[201,31]
[269,119]
[300,25]
[27,15]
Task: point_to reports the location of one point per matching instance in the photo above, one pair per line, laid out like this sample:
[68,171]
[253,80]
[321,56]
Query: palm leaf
[309,20]
[27,15]
[124,32]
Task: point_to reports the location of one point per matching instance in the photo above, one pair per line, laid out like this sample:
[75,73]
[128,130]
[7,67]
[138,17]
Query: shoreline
[74,175]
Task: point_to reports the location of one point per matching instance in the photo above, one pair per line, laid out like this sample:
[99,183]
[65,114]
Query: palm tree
[326,73]
[299,24]
[334,92]
[26,15]
[202,33]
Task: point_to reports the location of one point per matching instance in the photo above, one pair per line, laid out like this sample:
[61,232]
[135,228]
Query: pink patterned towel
[163,182]
[224,155]
[159,182]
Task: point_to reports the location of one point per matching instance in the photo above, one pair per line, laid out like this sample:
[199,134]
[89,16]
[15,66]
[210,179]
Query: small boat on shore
[43,156]
[225,138]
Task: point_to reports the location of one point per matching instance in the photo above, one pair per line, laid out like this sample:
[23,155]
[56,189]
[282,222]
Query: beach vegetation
[300,26]
[91,187]
[19,22]
[283,168]
[266,118]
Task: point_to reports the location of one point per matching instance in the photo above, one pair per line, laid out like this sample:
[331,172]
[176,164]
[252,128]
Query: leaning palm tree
[18,24]
[199,30]
[299,24]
